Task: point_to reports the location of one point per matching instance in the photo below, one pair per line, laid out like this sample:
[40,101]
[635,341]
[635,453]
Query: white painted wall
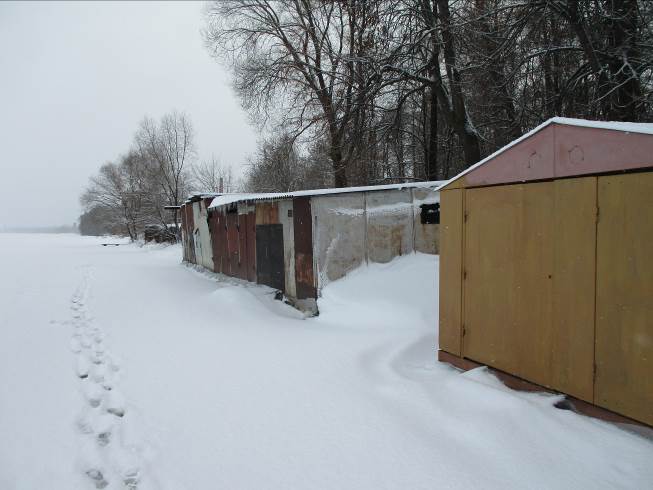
[203,249]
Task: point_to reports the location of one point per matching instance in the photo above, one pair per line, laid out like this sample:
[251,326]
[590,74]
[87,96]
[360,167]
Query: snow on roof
[240,197]
[195,196]
[628,127]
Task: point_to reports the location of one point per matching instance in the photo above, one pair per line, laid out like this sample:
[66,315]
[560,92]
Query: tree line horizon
[365,92]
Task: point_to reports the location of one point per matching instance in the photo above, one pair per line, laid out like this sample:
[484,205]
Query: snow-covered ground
[120,367]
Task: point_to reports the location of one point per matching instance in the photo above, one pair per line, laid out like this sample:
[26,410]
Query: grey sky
[76,79]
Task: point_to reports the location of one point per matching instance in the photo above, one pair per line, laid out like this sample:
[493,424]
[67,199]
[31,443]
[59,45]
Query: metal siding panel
[205,236]
[338,235]
[287,221]
[583,151]
[529,285]
[267,213]
[303,230]
[530,159]
[508,285]
[251,246]
[574,286]
[217,228]
[225,244]
[426,236]
[624,303]
[451,269]
[389,222]
[191,231]
[242,246]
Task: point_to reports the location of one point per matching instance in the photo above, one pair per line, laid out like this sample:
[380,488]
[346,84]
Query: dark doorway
[269,256]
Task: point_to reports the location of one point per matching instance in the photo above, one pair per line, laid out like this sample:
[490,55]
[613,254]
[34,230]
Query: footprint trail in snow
[110,456]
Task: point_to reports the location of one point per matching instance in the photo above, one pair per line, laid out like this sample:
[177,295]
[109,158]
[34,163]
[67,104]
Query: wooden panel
[574,284]
[451,268]
[529,287]
[624,303]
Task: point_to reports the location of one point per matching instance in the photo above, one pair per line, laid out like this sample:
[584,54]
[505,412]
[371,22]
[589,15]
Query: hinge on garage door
[464,330]
[597,214]
[465,217]
[594,374]
[464,274]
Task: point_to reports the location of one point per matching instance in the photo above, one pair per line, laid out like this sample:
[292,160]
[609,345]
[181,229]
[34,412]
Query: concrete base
[516,383]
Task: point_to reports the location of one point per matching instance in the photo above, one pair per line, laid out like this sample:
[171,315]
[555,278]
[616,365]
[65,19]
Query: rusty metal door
[242,246]
[624,295]
[190,233]
[269,256]
[251,246]
[303,235]
[232,244]
[219,247]
[528,281]
[213,233]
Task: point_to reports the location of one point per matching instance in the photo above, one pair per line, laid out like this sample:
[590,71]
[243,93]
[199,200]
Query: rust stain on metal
[267,213]
[303,236]
[251,246]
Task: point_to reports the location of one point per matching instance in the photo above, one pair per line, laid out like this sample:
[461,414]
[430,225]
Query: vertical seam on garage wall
[597,216]
[463,246]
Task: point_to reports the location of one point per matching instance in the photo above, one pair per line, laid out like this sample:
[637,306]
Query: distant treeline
[40,229]
[362,92]
[160,169]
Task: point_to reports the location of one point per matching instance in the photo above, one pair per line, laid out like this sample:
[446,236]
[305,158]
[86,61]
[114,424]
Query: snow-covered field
[119,366]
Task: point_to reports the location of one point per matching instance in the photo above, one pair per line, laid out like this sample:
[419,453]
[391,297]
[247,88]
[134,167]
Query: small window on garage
[430,214]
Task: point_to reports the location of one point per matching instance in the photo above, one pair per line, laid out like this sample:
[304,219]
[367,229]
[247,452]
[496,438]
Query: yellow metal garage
[547,265]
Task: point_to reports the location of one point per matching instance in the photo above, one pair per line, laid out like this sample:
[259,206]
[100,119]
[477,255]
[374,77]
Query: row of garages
[546,256]
[298,242]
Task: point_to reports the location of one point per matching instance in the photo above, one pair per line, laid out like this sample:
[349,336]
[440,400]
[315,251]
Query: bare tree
[169,147]
[210,175]
[299,62]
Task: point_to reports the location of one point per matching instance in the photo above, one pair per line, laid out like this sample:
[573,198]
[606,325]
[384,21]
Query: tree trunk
[339,167]
[432,162]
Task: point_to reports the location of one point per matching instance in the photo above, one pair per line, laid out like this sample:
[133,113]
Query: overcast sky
[76,79]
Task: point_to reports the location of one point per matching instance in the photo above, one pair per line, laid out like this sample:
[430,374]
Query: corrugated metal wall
[377,226]
[301,244]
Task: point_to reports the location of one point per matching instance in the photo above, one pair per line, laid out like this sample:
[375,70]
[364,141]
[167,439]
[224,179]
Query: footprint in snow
[93,394]
[83,421]
[115,403]
[92,466]
[97,477]
[103,428]
[82,367]
[132,479]
[98,372]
